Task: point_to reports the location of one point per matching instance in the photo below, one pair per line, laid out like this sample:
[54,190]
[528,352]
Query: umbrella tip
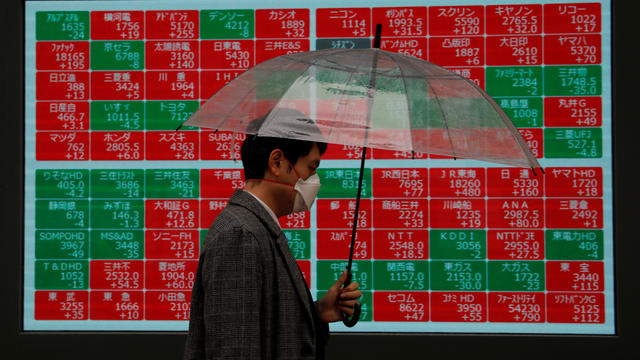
[376,39]
[179,126]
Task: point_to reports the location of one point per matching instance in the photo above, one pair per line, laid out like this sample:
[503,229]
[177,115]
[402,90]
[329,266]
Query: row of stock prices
[118,203]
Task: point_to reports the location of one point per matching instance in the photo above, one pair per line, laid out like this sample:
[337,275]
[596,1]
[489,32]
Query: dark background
[169,345]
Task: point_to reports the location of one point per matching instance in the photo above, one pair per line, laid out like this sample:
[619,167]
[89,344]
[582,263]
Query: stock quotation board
[117,202]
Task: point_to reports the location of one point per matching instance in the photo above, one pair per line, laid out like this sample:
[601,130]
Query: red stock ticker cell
[167,305]
[61,305]
[171,214]
[209,210]
[67,146]
[400,306]
[573,182]
[334,244]
[575,276]
[343,22]
[513,182]
[117,85]
[117,145]
[457,50]
[62,85]
[172,55]
[400,213]
[172,24]
[401,244]
[515,244]
[172,85]
[573,49]
[574,18]
[62,115]
[339,213]
[400,183]
[213,80]
[513,19]
[459,306]
[220,183]
[172,145]
[515,213]
[170,274]
[227,54]
[267,49]
[62,55]
[456,20]
[305,268]
[117,25]
[401,21]
[514,307]
[572,307]
[514,50]
[573,111]
[282,23]
[582,213]
[116,274]
[116,305]
[171,244]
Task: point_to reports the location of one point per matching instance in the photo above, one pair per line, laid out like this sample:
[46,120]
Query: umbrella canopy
[370,98]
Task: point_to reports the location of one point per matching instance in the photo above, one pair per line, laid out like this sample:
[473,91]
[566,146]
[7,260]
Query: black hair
[255,152]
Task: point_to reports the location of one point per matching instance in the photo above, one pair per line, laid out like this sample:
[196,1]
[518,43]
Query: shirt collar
[273,215]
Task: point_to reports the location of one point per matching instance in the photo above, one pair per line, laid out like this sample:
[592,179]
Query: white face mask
[306,192]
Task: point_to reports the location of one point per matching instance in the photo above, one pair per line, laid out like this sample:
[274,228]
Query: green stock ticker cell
[117,55]
[117,183]
[62,184]
[168,115]
[227,24]
[573,142]
[343,182]
[582,80]
[172,183]
[117,115]
[62,214]
[458,275]
[516,276]
[574,244]
[525,112]
[299,243]
[329,271]
[401,275]
[117,214]
[117,244]
[62,25]
[514,81]
[458,244]
[61,275]
[62,244]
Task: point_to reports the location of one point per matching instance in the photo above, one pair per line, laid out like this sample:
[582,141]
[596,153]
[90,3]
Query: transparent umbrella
[369,98]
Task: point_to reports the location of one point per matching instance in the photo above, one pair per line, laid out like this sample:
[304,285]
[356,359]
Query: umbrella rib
[444,117]
[533,162]
[269,118]
[404,84]
[335,115]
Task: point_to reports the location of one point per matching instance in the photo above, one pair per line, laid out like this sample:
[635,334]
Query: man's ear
[275,161]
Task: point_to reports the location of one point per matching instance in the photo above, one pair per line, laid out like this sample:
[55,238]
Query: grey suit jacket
[249,299]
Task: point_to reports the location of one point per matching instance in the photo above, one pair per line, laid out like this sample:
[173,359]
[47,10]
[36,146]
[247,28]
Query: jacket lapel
[244,199]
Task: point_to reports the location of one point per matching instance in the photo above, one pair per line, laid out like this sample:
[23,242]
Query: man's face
[304,167]
[308,164]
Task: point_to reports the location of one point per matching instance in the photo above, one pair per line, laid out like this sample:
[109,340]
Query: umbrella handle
[350,322]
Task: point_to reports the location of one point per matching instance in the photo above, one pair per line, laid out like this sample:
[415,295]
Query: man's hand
[338,300]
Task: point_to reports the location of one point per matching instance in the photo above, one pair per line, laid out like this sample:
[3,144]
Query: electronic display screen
[117,202]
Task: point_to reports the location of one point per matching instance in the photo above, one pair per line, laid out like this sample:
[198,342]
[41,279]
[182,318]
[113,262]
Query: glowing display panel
[117,203]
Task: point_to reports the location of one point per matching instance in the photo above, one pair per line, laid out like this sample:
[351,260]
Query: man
[250,300]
